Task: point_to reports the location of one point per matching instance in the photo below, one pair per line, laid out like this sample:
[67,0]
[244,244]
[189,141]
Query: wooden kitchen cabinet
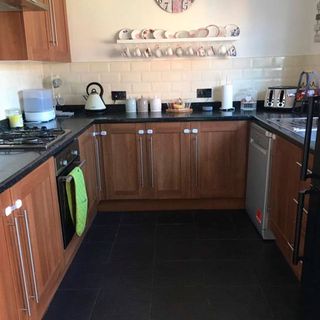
[89,152]
[37,227]
[168,154]
[178,160]
[124,161]
[36,35]
[285,185]
[219,159]
[9,304]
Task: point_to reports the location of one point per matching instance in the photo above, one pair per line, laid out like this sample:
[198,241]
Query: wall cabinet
[175,160]
[34,241]
[89,152]
[286,158]
[36,35]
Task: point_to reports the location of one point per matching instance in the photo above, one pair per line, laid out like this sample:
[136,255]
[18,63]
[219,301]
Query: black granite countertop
[14,165]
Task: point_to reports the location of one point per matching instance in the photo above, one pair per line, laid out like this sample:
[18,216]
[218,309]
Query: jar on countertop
[143,105]
[15,118]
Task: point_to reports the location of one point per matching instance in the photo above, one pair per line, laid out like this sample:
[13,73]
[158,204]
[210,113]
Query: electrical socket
[204,93]
[118,95]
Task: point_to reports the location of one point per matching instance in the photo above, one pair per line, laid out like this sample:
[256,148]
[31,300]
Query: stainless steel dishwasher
[258,179]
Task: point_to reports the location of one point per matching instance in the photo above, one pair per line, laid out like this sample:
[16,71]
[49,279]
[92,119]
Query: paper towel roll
[227,97]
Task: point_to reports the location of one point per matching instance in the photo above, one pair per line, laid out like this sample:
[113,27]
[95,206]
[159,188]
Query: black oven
[66,160]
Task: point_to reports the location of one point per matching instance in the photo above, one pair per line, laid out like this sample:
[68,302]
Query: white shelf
[179,40]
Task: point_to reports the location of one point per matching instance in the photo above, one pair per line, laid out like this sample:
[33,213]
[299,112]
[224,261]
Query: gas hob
[30,138]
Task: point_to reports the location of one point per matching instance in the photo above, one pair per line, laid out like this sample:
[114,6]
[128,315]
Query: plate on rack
[169,34]
[182,34]
[136,34]
[147,34]
[232,30]
[124,34]
[159,34]
[201,33]
[213,30]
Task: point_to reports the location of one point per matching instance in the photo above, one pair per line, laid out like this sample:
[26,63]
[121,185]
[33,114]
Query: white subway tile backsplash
[131,77]
[161,86]
[181,65]
[152,76]
[171,76]
[163,65]
[121,66]
[99,67]
[141,87]
[80,67]
[140,66]
[111,77]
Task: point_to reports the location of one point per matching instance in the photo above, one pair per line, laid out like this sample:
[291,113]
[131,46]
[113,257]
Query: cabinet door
[60,51]
[39,226]
[168,150]
[88,153]
[219,159]
[38,34]
[124,160]
[284,195]
[11,300]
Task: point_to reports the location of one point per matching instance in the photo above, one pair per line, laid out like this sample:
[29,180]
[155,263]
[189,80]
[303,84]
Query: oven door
[68,228]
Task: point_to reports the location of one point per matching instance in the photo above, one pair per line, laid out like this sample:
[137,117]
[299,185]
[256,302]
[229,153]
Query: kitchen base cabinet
[124,160]
[285,185]
[179,160]
[89,152]
[34,238]
[219,159]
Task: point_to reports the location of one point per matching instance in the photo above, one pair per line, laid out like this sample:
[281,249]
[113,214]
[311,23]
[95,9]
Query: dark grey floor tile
[229,249]
[93,252]
[84,276]
[209,231]
[285,301]
[178,249]
[72,305]
[229,272]
[222,218]
[178,273]
[133,250]
[139,218]
[123,302]
[244,227]
[175,217]
[177,231]
[107,218]
[136,232]
[99,233]
[128,273]
[238,303]
[188,303]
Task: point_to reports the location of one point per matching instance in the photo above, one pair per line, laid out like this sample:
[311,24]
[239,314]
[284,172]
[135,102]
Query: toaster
[280,97]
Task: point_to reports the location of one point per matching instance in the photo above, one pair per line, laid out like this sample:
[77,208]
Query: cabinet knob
[141,132]
[17,205]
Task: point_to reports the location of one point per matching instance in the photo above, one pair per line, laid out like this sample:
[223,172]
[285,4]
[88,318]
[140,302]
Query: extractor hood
[22,5]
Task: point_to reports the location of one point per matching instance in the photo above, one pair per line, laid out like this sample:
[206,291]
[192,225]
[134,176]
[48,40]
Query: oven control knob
[74,152]
[64,163]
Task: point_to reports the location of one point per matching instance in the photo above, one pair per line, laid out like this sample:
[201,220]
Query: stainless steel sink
[296,125]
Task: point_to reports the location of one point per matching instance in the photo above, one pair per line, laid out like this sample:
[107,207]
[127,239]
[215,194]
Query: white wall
[16,76]
[268,27]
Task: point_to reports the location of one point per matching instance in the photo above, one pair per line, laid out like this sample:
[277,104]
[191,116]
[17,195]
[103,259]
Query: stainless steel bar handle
[141,162]
[22,268]
[98,167]
[55,24]
[300,165]
[34,280]
[304,209]
[53,41]
[69,178]
[151,159]
[195,132]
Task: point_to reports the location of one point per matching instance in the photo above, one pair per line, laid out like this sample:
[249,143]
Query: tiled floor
[176,266]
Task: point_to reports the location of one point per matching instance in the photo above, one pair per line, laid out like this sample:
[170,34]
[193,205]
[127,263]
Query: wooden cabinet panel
[9,296]
[284,196]
[36,35]
[88,153]
[168,151]
[124,161]
[40,207]
[219,159]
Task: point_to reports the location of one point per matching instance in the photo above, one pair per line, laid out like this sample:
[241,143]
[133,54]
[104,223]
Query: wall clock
[175,6]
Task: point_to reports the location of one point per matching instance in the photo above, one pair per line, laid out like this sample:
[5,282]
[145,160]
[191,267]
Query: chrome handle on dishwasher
[34,280]
[22,268]
[255,145]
